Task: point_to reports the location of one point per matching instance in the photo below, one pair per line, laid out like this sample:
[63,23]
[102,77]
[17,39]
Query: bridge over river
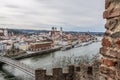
[16,64]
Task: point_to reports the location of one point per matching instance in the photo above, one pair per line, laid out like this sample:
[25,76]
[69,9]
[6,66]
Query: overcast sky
[77,15]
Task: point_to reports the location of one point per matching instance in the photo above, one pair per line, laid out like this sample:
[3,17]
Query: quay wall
[36,53]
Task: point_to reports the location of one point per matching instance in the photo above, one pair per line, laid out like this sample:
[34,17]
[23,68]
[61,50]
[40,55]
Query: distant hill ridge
[29,31]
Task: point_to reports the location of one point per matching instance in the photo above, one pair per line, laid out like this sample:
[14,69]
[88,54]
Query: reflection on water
[46,61]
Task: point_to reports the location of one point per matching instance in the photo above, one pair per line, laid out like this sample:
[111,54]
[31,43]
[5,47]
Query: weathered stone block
[102,60]
[111,13]
[118,66]
[116,35]
[71,68]
[107,33]
[115,12]
[106,14]
[103,50]
[40,74]
[57,74]
[49,77]
[118,55]
[71,73]
[77,68]
[106,42]
[90,70]
[113,53]
[118,43]
[111,24]
[108,72]
[107,3]
[108,62]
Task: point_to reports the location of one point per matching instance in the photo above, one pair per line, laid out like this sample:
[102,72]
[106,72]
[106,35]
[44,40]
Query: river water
[47,60]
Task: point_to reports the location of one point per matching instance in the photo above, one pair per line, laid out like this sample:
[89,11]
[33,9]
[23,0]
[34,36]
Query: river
[47,60]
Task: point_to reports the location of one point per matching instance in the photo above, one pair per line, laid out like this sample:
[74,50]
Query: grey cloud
[45,13]
[2,17]
[12,6]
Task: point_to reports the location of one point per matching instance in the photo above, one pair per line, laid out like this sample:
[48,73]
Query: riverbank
[68,47]
[36,53]
[48,61]
[29,54]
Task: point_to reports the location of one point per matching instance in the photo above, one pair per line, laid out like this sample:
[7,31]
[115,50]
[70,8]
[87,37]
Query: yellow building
[24,47]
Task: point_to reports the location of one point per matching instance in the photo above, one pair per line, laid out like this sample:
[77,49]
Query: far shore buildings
[40,41]
[60,38]
[3,36]
[3,33]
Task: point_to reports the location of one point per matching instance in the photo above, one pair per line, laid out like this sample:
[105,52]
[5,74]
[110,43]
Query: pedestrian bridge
[16,64]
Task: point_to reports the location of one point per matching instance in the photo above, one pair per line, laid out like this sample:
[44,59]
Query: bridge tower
[110,61]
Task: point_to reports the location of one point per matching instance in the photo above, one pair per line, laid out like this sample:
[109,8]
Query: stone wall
[110,51]
[74,72]
[110,68]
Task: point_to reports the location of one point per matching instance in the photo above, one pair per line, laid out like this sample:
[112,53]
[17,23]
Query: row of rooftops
[44,38]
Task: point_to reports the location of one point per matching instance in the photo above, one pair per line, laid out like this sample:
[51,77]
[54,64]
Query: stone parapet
[75,72]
